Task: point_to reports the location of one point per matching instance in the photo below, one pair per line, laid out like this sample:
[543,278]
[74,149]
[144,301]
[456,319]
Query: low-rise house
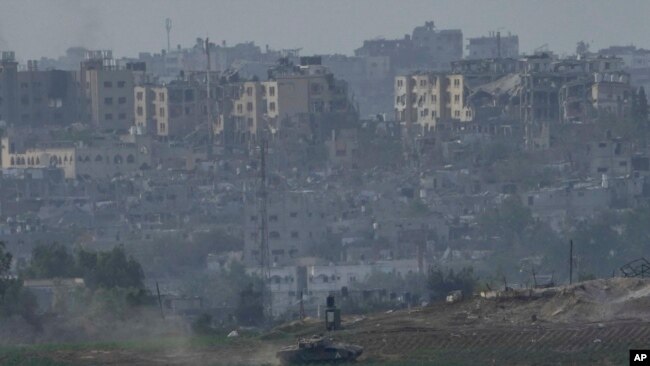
[52,294]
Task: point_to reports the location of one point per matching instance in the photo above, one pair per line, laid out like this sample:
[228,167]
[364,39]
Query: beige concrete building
[290,91]
[16,154]
[310,88]
[109,92]
[611,95]
[110,157]
[144,109]
[423,99]
[104,158]
[169,111]
[249,110]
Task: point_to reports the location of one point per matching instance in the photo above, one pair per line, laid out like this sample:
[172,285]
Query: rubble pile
[599,300]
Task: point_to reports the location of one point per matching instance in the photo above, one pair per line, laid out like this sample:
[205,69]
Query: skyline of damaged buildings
[383,160]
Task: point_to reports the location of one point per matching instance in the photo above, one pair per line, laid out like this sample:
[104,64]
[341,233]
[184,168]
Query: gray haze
[34,28]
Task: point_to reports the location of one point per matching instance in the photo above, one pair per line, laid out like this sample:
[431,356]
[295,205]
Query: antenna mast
[168,27]
[265,265]
[208,101]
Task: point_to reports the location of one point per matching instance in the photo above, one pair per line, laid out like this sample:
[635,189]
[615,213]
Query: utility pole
[498,44]
[534,278]
[208,100]
[168,27]
[570,261]
[160,301]
[265,262]
[302,307]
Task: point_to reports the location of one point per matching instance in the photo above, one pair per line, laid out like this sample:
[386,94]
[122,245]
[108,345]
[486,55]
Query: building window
[456,82]
[249,91]
[400,83]
[108,101]
[139,95]
[272,91]
[161,112]
[189,95]
[121,84]
[108,84]
[140,111]
[108,116]
[293,214]
[240,108]
[161,96]
[272,106]
[318,106]
[456,98]
[121,116]
[273,218]
[121,100]
[295,235]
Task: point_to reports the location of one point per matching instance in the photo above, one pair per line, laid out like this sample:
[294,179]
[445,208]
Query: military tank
[318,349]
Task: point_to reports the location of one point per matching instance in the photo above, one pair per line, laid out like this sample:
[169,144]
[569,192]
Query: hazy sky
[35,28]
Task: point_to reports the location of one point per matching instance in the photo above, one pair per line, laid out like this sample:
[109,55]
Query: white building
[316,282]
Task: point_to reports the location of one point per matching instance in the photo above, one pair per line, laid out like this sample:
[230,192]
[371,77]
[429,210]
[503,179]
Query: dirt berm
[595,322]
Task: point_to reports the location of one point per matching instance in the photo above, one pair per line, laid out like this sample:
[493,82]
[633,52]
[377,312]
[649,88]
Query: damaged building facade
[423,99]
[35,98]
[493,46]
[291,91]
[170,110]
[532,91]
